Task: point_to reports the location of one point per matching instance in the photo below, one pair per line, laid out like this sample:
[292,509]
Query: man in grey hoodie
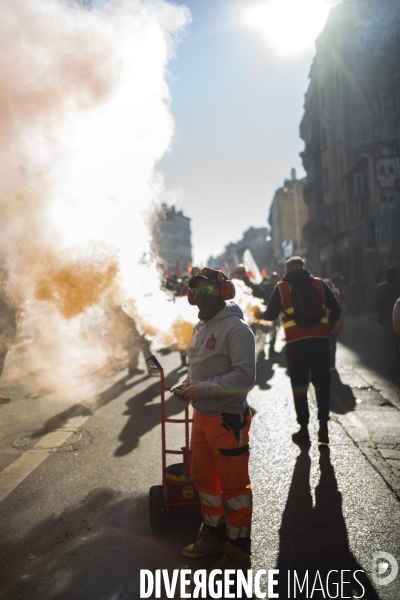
[221,372]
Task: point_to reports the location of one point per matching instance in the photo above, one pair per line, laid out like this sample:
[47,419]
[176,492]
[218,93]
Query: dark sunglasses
[208,290]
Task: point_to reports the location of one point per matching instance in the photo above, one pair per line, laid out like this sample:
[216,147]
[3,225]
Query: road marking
[19,470]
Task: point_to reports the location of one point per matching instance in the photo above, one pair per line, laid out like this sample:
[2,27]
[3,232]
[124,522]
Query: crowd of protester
[385,302]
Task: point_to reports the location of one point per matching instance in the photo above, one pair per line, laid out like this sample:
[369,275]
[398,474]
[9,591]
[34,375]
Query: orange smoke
[182,332]
[84,117]
[74,286]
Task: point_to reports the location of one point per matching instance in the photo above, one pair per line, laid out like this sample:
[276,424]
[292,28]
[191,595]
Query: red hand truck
[177,493]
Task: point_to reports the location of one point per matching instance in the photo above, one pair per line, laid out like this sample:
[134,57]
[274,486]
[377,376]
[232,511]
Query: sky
[237,84]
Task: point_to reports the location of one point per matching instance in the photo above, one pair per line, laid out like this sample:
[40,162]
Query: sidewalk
[365,399]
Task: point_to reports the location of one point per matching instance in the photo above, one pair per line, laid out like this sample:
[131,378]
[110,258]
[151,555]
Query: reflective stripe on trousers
[238,502]
[209,500]
[222,479]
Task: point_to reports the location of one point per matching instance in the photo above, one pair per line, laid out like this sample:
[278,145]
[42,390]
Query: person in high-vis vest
[221,372]
[307,348]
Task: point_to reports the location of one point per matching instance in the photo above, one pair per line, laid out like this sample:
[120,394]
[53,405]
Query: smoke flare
[84,117]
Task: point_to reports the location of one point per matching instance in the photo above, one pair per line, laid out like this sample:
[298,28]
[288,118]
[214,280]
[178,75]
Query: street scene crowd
[278,360]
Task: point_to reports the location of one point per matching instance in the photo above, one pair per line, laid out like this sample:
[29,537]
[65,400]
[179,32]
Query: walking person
[302,300]
[385,296]
[8,330]
[263,291]
[273,280]
[124,333]
[221,372]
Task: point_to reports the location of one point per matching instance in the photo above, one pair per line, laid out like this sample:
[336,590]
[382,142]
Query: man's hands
[188,392]
[191,392]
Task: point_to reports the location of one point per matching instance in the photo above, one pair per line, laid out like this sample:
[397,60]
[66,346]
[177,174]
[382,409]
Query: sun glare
[287,26]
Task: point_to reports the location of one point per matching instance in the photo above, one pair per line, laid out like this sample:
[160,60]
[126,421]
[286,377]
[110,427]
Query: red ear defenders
[227,291]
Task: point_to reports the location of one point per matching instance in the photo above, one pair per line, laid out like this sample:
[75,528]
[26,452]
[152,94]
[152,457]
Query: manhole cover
[28,440]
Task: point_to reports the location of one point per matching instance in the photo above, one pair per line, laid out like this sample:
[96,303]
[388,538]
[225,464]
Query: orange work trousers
[220,471]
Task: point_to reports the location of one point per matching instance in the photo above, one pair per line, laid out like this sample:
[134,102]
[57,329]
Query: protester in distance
[385,296]
[263,291]
[123,333]
[221,373]
[8,329]
[303,301]
[333,334]
[273,280]
[173,284]
[184,287]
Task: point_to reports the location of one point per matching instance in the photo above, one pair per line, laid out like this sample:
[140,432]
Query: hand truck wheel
[156,505]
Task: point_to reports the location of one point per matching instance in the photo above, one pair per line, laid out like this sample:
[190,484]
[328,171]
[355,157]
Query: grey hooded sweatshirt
[222,360]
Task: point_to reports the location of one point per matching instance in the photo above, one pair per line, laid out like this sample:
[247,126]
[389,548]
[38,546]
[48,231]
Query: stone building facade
[351,130]
[255,239]
[172,239]
[287,217]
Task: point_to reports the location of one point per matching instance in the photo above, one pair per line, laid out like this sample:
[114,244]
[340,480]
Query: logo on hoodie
[210,344]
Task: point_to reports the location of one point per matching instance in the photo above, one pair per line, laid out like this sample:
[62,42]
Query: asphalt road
[74,481]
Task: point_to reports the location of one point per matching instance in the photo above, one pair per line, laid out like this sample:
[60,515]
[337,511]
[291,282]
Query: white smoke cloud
[85,114]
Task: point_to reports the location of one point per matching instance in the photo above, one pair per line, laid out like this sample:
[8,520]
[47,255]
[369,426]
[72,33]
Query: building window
[360,205]
[358,185]
[326,179]
[344,215]
[322,97]
[341,170]
[323,140]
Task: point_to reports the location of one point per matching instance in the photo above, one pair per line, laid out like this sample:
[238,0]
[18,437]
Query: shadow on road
[93,551]
[81,409]
[342,397]
[145,414]
[373,343]
[314,538]
[265,370]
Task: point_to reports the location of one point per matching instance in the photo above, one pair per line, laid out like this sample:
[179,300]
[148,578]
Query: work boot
[323,436]
[302,436]
[206,544]
[234,558]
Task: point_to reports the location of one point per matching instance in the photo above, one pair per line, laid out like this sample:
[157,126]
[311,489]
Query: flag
[251,266]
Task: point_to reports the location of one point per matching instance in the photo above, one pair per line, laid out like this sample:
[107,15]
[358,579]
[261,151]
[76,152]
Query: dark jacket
[300,275]
[261,290]
[385,296]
